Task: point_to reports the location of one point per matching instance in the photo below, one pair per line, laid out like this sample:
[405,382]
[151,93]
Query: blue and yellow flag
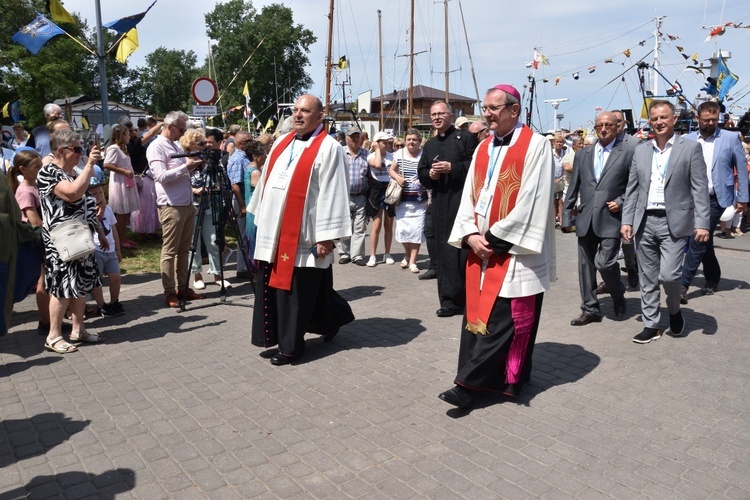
[129,22]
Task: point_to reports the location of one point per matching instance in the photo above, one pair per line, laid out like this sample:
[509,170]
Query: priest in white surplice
[301,208]
[506,219]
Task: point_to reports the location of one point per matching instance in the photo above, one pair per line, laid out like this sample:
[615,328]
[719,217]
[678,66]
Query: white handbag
[73,240]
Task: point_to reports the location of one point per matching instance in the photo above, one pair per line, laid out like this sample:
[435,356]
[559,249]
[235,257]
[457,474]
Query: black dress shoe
[446,312]
[279,359]
[458,396]
[430,274]
[620,306]
[585,319]
[602,289]
[345,259]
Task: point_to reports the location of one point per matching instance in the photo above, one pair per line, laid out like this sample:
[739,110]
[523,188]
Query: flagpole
[79,42]
[102,67]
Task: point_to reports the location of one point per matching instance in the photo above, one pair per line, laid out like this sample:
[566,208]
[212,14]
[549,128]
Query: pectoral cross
[285,257]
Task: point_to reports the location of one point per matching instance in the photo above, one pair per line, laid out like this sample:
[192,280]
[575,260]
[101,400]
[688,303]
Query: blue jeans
[698,253]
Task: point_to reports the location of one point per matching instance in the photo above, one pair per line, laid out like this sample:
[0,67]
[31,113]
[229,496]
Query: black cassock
[457,147]
[283,317]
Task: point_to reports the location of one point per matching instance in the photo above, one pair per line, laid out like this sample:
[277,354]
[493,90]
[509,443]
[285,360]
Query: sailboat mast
[328,60]
[655,65]
[447,71]
[411,66]
[468,47]
[380,62]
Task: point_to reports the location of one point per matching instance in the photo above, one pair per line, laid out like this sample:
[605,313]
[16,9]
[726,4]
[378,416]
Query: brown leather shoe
[602,289]
[172,300]
[585,319]
[191,295]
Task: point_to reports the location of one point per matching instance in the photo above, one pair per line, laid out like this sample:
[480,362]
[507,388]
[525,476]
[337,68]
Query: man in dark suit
[666,201]
[600,177]
[723,154]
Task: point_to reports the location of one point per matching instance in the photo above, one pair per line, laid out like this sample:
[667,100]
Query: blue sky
[575,36]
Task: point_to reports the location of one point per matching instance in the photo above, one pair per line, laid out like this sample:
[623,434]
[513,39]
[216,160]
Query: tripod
[216,194]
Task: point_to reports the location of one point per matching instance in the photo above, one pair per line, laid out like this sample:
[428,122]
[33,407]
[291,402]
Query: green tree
[62,68]
[238,30]
[164,84]
[57,71]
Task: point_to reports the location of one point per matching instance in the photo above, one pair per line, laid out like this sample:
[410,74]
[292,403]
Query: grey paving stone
[143,416]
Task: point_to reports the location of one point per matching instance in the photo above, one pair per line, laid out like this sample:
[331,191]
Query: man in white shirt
[174,197]
[665,202]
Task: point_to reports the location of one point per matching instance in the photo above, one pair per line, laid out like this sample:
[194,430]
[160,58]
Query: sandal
[404,264]
[90,338]
[60,346]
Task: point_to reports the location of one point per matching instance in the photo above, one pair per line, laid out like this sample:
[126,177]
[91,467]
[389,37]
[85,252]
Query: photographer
[202,182]
[174,198]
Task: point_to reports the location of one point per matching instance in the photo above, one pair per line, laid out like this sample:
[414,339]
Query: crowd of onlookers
[56,175]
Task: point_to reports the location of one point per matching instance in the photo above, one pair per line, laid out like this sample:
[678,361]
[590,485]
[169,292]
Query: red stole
[480,301]
[291,219]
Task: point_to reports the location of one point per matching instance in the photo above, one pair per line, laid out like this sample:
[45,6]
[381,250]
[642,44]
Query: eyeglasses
[600,126]
[202,144]
[76,149]
[493,109]
[182,130]
[438,115]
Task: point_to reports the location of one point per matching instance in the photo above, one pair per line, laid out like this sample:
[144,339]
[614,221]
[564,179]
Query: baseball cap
[382,136]
[353,130]
[461,121]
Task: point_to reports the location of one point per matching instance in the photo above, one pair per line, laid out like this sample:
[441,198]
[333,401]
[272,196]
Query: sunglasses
[76,149]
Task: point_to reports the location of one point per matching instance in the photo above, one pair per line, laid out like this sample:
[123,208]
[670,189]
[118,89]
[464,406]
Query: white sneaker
[388,259]
[372,262]
[225,282]
[199,285]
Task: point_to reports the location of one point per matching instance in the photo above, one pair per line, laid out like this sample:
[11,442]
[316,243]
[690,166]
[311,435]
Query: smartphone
[436,158]
[98,142]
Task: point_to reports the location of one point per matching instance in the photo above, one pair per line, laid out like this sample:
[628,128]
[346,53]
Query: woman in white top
[410,212]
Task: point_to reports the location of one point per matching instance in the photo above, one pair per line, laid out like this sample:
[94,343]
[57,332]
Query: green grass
[145,258]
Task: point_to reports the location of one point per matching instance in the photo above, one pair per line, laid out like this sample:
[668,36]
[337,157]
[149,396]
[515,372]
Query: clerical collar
[504,140]
[305,137]
[446,131]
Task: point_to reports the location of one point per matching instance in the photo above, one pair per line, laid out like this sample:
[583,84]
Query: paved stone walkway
[180,405]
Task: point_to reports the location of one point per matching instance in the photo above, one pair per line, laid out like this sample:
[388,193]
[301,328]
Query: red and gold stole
[480,301]
[291,219]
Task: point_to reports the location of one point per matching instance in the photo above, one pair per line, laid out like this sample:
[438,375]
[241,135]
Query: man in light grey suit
[666,201]
[600,177]
[723,154]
